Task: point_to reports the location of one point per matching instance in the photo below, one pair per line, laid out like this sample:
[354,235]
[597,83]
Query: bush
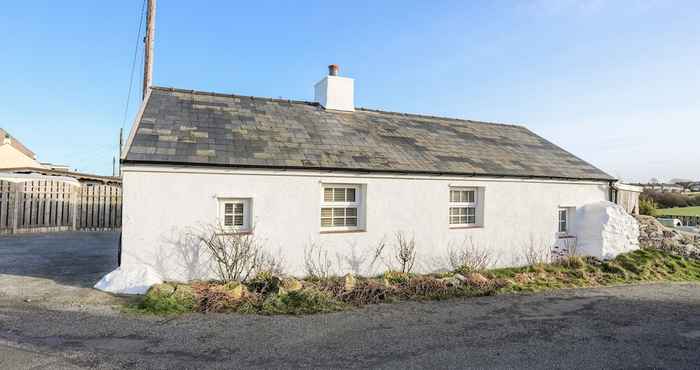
[468,257]
[166,299]
[396,277]
[367,292]
[301,302]
[236,255]
[647,207]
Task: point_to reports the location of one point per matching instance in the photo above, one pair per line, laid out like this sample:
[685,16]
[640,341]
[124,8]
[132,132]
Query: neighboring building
[627,196]
[83,178]
[14,154]
[661,187]
[18,159]
[326,172]
[694,187]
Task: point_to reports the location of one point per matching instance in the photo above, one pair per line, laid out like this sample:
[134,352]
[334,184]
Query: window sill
[566,236]
[237,232]
[343,231]
[457,227]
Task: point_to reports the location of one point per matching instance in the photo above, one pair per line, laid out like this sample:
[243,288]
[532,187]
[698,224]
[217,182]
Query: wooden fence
[47,205]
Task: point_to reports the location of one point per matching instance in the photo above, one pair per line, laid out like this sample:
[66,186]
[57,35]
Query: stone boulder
[129,280]
[604,230]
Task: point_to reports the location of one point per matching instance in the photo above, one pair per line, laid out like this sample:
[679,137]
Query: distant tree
[647,207]
[654,180]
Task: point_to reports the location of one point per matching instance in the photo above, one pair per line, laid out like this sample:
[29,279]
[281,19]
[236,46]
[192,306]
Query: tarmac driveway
[56,267]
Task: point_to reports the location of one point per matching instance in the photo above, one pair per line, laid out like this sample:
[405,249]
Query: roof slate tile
[181,126]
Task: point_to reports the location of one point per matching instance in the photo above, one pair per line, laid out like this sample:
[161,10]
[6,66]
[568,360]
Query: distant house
[14,154]
[326,172]
[18,159]
[661,187]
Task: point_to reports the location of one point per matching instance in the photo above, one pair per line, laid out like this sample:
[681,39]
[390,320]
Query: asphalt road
[51,318]
[634,326]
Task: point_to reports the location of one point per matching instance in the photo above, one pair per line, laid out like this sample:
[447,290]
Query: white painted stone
[604,230]
[132,279]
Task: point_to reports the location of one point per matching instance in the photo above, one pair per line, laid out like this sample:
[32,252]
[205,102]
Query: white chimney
[335,92]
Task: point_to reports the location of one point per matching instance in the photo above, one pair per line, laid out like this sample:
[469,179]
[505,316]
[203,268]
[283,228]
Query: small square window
[235,213]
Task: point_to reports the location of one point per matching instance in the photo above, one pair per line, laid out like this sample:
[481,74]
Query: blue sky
[615,82]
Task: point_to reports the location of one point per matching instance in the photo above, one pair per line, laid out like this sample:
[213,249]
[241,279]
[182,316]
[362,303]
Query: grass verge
[271,295]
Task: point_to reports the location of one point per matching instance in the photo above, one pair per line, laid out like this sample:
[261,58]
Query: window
[463,206]
[234,214]
[563,220]
[340,207]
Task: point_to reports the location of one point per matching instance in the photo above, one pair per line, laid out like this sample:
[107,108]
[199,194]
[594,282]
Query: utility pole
[121,139]
[148,53]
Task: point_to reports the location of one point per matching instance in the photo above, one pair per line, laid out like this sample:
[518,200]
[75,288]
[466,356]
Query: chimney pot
[333,70]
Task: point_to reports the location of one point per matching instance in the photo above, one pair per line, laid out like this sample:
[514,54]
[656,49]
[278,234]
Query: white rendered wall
[161,204]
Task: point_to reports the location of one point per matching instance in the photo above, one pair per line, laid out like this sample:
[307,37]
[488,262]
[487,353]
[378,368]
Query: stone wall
[652,234]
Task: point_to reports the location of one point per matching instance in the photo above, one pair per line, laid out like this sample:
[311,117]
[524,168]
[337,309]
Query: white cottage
[327,172]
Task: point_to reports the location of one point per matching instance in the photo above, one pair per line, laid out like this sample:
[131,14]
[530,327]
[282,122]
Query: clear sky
[615,82]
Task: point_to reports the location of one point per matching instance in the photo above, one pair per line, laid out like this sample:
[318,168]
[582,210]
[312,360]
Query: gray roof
[199,128]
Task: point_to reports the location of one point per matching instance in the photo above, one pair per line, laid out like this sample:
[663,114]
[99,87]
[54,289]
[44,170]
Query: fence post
[14,190]
[74,205]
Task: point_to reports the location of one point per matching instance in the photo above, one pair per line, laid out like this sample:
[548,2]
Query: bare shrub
[367,292]
[536,253]
[361,262]
[272,263]
[405,252]
[236,255]
[316,261]
[469,257]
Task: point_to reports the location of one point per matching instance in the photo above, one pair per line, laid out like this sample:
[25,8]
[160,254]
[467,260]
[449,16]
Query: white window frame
[566,221]
[247,214]
[357,204]
[462,205]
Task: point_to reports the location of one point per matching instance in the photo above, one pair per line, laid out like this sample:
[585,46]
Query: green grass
[683,211]
[644,265]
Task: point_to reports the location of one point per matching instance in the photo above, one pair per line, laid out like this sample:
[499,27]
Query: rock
[291,284]
[28,300]
[451,281]
[460,277]
[476,278]
[350,282]
[604,230]
[654,235]
[134,279]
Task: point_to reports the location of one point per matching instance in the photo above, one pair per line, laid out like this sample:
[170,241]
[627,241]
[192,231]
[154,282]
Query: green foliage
[264,295]
[397,277]
[265,282]
[166,299]
[301,302]
[647,207]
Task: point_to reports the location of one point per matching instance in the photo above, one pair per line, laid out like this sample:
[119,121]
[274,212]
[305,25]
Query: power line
[133,64]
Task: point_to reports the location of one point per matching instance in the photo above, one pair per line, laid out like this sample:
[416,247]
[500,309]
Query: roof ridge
[210,93]
[437,117]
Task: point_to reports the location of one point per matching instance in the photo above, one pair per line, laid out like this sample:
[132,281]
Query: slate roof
[199,128]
